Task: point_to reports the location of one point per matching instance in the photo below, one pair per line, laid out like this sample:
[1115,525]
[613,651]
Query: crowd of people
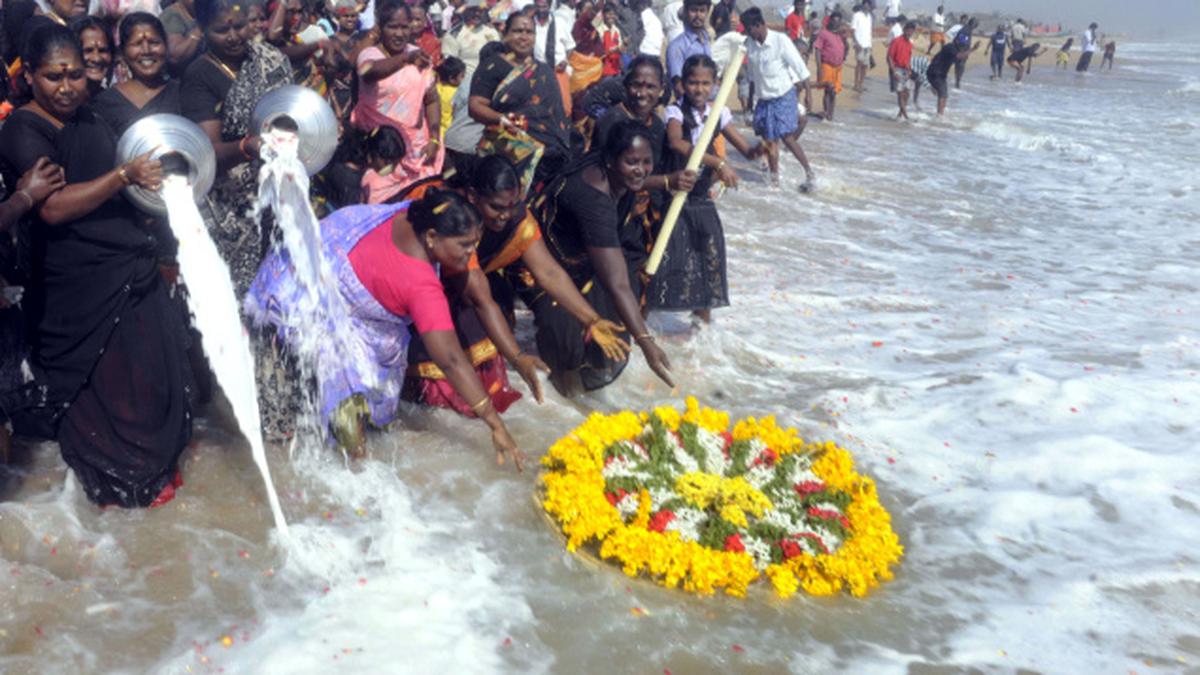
[488,153]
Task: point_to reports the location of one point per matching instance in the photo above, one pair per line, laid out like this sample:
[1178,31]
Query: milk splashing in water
[323,318]
[213,303]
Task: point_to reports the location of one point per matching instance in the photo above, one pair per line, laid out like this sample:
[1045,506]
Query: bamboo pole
[728,79]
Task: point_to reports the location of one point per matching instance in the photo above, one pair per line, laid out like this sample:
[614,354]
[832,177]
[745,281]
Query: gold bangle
[483,402]
[123,174]
[643,336]
[720,166]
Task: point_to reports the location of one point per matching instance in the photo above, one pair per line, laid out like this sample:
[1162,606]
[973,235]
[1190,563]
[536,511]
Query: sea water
[996,312]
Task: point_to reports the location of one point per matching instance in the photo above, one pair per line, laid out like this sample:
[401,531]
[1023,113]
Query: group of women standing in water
[430,277]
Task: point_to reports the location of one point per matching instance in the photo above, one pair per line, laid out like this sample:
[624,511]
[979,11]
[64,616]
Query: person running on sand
[1019,58]
[996,46]
[1110,50]
[776,69]
[899,56]
[830,49]
[1064,55]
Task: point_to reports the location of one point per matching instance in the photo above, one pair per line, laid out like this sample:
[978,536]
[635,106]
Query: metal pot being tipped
[304,111]
[180,145]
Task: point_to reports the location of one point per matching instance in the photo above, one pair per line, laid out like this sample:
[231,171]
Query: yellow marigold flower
[705,418]
[783,580]
[669,416]
[574,495]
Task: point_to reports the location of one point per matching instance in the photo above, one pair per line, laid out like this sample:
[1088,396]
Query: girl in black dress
[108,349]
[692,273]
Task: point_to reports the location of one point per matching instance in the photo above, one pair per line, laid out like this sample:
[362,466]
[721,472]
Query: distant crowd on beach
[490,154]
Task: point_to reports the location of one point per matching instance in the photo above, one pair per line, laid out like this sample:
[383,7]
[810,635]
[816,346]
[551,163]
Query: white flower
[760,475]
[685,460]
[627,506]
[759,550]
[687,523]
[619,467]
[660,496]
[802,472]
[780,518]
[713,447]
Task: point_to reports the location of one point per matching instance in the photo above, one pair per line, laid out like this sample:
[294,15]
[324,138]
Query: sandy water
[996,312]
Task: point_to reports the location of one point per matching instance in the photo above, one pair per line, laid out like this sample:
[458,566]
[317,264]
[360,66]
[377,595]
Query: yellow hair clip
[440,208]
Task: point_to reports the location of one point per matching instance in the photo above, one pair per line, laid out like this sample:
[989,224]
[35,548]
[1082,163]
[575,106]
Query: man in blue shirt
[693,40]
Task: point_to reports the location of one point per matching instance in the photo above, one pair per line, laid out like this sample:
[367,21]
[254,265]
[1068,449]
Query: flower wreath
[681,499]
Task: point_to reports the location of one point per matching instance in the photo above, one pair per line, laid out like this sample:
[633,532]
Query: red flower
[734,543]
[790,549]
[812,537]
[614,497]
[660,520]
[827,514]
[728,438]
[809,487]
[767,457]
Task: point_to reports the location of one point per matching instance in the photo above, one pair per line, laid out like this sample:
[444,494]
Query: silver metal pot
[310,116]
[177,141]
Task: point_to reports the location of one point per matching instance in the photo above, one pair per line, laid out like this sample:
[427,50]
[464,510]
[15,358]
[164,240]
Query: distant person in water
[997,46]
[962,41]
[1110,50]
[830,48]
[939,72]
[777,70]
[1019,58]
[899,56]
[1088,45]
[1063,60]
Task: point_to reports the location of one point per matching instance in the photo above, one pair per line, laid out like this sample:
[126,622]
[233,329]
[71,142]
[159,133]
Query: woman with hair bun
[111,376]
[386,260]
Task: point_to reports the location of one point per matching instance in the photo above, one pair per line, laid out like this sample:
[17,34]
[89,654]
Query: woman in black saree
[111,381]
[518,100]
[594,223]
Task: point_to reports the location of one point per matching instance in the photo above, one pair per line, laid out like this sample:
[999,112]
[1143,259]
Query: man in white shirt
[552,44]
[860,25]
[652,31]
[956,29]
[776,68]
[1017,34]
[475,33]
[672,19]
[565,12]
[892,14]
[552,41]
[937,31]
[1088,47]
